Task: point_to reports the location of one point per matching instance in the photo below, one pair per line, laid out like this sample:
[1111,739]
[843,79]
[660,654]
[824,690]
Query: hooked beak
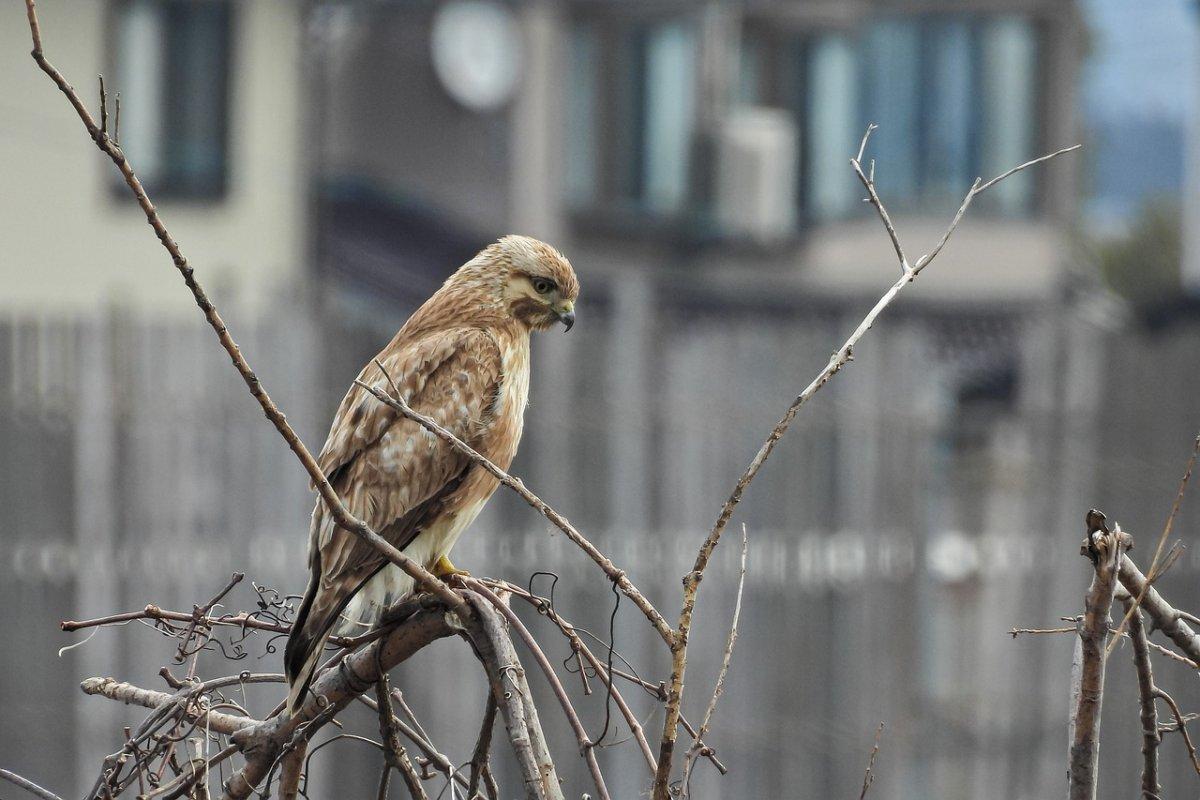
[566,315]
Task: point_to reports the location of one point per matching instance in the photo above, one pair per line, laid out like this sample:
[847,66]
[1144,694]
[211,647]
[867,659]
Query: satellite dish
[476,48]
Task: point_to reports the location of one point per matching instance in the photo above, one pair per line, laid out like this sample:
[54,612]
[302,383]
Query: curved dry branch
[837,361]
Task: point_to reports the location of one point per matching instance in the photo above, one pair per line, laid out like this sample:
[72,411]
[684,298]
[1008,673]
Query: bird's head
[539,286]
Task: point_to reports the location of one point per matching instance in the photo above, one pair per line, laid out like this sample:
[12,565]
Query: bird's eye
[542,286]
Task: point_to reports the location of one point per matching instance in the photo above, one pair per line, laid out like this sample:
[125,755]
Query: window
[954,96]
[172,72]
[632,110]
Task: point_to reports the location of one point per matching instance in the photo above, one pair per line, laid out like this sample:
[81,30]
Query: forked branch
[842,357]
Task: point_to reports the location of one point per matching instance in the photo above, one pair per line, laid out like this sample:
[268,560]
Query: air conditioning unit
[755,175]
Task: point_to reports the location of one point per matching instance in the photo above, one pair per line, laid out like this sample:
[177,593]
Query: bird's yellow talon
[444,569]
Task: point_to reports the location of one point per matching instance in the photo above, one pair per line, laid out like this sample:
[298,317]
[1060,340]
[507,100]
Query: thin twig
[869,776]
[693,751]
[1156,570]
[868,183]
[241,620]
[837,361]
[1181,726]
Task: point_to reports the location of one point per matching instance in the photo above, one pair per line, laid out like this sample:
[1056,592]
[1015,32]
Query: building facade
[692,161]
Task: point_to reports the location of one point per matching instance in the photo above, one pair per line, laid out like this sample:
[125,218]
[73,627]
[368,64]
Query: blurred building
[326,164]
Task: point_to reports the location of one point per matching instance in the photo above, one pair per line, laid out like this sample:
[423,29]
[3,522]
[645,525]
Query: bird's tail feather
[318,613]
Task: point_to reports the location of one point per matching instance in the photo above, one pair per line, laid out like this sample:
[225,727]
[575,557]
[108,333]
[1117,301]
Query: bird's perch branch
[842,357]
[396,402]
[506,677]
[1106,549]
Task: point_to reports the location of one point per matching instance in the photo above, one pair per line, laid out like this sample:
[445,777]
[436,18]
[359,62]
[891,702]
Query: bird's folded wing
[390,471]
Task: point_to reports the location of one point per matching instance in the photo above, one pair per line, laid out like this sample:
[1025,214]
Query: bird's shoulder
[451,375]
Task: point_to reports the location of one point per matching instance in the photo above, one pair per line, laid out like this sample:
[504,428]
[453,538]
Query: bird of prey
[462,359]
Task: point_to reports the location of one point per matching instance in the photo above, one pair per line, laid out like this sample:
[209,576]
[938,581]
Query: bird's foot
[444,569]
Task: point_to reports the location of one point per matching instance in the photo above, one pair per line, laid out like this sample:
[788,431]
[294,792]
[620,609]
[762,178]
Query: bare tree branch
[394,753]
[586,746]
[511,690]
[28,785]
[480,764]
[149,698]
[601,670]
[1163,616]
[263,743]
[1106,548]
[1156,567]
[1148,713]
[843,356]
[693,751]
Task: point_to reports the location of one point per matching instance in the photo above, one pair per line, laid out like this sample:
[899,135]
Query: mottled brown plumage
[462,359]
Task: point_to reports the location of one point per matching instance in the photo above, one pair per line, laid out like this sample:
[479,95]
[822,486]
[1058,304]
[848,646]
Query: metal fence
[929,500]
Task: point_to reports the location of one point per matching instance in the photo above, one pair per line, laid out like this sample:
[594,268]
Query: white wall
[69,244]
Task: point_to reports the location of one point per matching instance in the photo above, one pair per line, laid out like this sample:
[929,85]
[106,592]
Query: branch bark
[1148,713]
[263,743]
[506,677]
[1163,616]
[28,785]
[1106,548]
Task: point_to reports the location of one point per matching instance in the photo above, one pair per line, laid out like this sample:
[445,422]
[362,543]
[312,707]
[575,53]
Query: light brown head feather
[495,288]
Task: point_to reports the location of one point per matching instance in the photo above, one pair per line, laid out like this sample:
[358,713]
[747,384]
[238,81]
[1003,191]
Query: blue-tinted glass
[667,114]
[949,111]
[891,56]
[581,122]
[197,52]
[1009,56]
[832,115]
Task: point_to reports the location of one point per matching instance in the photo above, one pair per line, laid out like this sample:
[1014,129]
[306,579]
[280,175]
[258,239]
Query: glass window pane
[198,51]
[668,107]
[1009,64]
[750,72]
[831,112]
[140,78]
[891,56]
[949,106]
[582,96]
